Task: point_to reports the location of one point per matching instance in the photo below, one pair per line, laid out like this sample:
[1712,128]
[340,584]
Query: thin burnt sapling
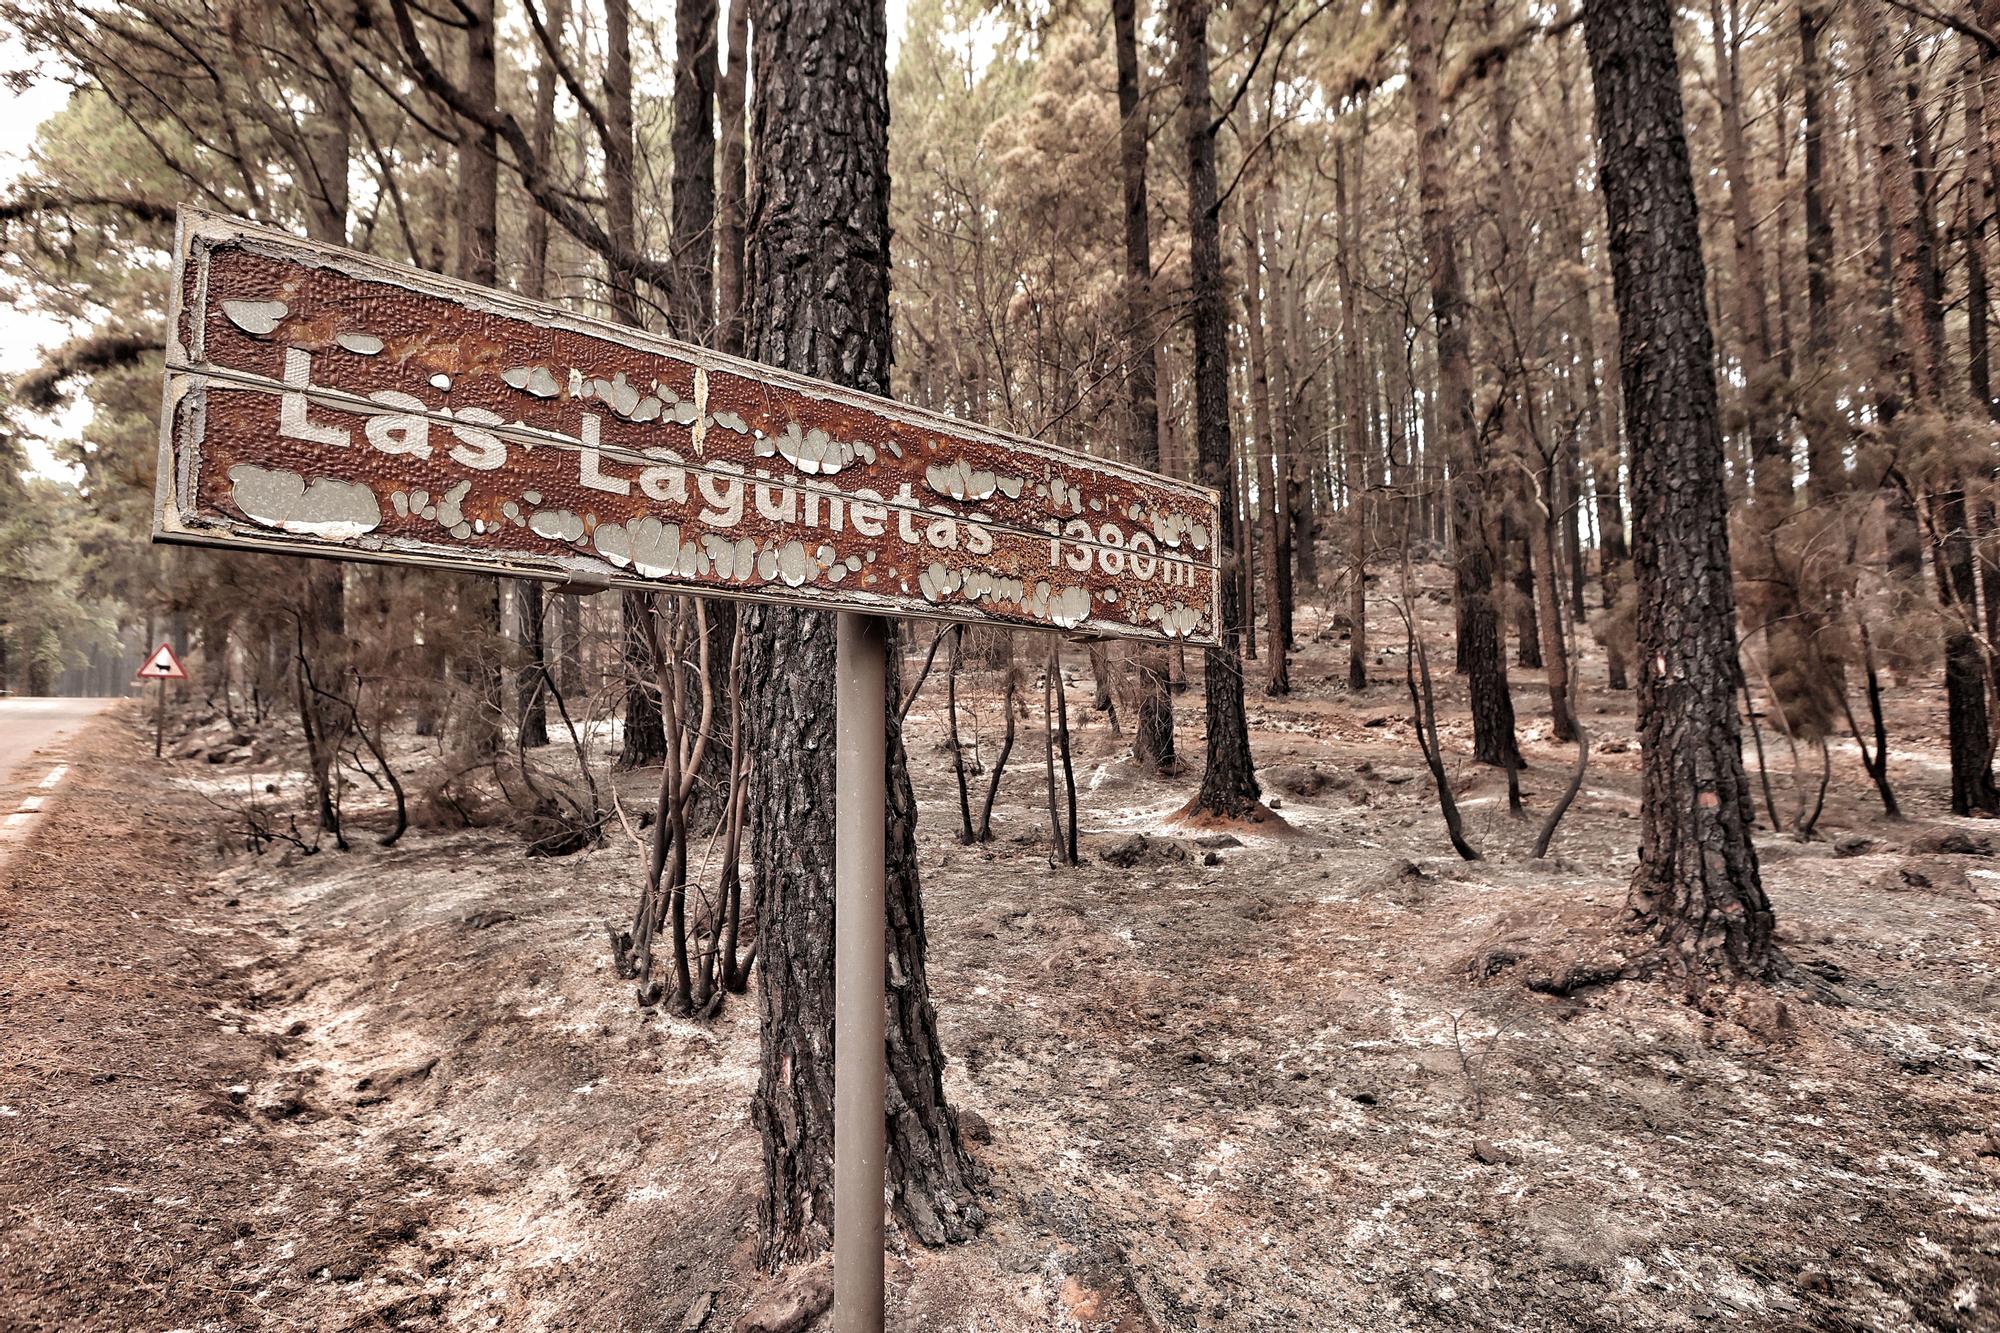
[1055,740]
[1010,693]
[1423,704]
[965,834]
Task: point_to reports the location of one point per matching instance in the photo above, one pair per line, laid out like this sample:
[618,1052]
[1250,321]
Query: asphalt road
[28,725]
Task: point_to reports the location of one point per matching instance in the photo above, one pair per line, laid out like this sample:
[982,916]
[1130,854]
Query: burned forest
[1063,666]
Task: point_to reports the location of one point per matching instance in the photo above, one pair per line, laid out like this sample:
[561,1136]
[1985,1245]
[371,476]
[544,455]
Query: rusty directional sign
[320,401]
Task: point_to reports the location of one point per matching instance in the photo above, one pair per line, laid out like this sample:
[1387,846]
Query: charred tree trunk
[817,302]
[966,834]
[1697,889]
[1603,453]
[478,261]
[1153,727]
[1545,542]
[691,315]
[1516,542]
[531,685]
[532,680]
[1277,677]
[1826,461]
[732,88]
[645,740]
[569,645]
[1229,780]
[1905,167]
[325,154]
[1010,692]
[691,308]
[1481,650]
[1972,788]
[1353,386]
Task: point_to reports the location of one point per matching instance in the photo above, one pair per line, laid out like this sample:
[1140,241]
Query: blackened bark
[1229,781]
[327,150]
[1153,727]
[1905,167]
[569,645]
[645,739]
[691,315]
[1141,368]
[732,87]
[1826,459]
[1518,548]
[817,289]
[535,264]
[1480,650]
[531,683]
[691,307]
[1696,889]
[479,261]
[710,800]
[1353,385]
[1270,462]
[1545,540]
[1283,432]
[1972,789]
[620,218]
[1603,453]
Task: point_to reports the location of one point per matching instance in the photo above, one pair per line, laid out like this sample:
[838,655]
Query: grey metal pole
[859,928]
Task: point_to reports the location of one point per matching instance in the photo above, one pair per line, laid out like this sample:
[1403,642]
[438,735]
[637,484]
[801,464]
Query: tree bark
[1919,313]
[1229,780]
[569,645]
[645,739]
[532,679]
[691,219]
[817,289]
[328,150]
[1277,677]
[479,262]
[1518,548]
[531,689]
[1481,651]
[1604,453]
[732,88]
[1826,458]
[1353,386]
[691,315]
[1153,727]
[1697,889]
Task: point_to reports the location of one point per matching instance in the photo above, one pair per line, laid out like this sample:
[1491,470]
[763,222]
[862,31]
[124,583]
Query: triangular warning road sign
[162,665]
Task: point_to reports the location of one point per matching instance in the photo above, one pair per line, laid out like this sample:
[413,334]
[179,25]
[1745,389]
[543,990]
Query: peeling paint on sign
[322,400]
[321,507]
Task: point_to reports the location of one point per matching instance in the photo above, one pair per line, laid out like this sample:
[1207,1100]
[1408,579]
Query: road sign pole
[160,720]
[859,927]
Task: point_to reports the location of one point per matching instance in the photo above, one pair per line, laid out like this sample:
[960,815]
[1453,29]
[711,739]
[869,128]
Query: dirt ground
[1280,1083]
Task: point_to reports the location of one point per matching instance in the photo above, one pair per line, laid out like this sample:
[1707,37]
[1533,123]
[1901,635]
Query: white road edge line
[31,805]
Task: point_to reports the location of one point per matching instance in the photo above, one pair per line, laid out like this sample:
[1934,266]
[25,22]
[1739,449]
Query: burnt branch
[42,389]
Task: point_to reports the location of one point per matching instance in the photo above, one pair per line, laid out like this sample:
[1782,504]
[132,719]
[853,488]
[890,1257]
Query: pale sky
[25,332]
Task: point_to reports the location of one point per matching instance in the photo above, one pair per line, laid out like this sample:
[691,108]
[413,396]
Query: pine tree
[1697,888]
[1229,781]
[817,302]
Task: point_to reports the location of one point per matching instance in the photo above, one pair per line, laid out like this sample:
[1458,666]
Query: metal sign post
[323,402]
[860,928]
